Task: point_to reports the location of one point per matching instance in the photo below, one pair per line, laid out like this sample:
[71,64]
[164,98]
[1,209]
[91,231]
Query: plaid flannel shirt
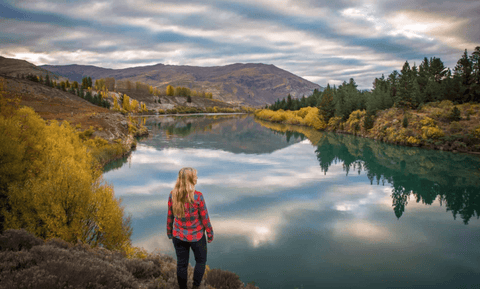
[191,227]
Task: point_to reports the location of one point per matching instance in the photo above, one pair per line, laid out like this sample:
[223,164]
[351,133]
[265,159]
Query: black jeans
[182,248]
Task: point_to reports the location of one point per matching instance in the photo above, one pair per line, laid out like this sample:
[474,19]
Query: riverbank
[436,125]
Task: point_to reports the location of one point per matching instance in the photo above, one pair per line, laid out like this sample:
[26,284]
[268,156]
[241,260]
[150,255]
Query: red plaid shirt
[191,227]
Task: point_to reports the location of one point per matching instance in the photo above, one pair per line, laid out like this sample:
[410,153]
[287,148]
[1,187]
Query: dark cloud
[9,11]
[327,46]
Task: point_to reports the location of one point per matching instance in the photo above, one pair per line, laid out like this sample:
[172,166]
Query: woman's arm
[203,213]
[170,217]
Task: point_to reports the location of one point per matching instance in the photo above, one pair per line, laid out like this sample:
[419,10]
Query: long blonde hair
[183,191]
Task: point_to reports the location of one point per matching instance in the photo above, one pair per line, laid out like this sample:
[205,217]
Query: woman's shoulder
[198,196]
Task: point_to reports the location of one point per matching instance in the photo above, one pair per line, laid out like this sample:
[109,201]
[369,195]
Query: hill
[16,68]
[252,84]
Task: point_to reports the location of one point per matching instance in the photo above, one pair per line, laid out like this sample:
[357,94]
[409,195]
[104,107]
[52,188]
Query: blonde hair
[183,191]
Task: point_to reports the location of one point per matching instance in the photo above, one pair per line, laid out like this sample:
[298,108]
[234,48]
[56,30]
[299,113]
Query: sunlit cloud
[303,37]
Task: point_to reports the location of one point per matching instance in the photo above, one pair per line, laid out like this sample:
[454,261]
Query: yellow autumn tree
[126,103]
[170,90]
[51,185]
[134,105]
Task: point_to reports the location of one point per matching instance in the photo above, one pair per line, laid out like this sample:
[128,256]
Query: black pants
[182,248]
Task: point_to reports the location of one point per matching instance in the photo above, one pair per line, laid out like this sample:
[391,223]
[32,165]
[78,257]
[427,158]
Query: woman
[187,222]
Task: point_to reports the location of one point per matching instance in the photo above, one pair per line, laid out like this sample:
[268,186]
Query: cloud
[302,37]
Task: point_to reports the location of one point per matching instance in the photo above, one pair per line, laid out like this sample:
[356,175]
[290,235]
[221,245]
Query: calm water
[296,208]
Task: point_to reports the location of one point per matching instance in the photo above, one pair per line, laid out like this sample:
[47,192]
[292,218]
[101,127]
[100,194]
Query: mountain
[16,67]
[252,83]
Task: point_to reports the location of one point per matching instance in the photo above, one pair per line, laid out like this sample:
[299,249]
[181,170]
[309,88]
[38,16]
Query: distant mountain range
[249,84]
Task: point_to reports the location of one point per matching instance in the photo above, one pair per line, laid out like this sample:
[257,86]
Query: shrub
[454,114]
[223,279]
[427,121]
[476,132]
[405,121]
[368,121]
[335,123]
[429,132]
[16,240]
[143,268]
[50,267]
[455,127]
[59,243]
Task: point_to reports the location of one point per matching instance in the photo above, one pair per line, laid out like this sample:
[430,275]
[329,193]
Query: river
[292,207]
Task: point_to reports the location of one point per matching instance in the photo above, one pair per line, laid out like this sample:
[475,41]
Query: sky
[321,41]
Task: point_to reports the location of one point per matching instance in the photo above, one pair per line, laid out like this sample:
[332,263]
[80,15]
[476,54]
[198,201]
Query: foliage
[221,279]
[170,90]
[355,123]
[28,262]
[405,121]
[54,186]
[308,116]
[455,114]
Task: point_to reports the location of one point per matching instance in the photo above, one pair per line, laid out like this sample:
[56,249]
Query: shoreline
[424,129]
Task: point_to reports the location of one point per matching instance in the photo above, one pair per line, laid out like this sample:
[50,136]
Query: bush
[223,279]
[368,121]
[455,114]
[143,268]
[50,267]
[405,121]
[16,240]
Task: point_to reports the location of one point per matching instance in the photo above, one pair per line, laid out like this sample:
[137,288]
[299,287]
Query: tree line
[412,87]
[74,88]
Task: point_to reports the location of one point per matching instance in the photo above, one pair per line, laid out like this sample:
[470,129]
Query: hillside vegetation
[439,125]
[252,84]
[30,262]
[420,106]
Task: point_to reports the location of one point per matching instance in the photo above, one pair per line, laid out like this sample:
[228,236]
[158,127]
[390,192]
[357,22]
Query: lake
[292,207]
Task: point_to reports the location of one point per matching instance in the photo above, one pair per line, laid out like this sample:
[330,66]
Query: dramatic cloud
[322,41]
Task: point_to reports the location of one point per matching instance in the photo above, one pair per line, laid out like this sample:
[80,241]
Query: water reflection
[305,207]
[426,175]
[232,133]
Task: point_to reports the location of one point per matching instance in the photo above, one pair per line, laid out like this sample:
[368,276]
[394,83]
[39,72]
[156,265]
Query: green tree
[326,105]
[289,102]
[380,98]
[463,72]
[475,81]
[47,80]
[405,87]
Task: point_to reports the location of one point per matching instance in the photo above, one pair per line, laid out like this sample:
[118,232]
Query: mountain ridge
[254,84]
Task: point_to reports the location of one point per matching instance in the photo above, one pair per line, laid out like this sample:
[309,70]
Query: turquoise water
[296,208]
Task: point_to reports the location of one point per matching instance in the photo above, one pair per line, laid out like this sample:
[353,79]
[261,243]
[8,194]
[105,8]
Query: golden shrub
[354,122]
[427,121]
[476,132]
[432,132]
[334,123]
[413,140]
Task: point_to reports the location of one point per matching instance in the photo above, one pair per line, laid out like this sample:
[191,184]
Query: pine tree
[475,81]
[326,105]
[463,71]
[289,102]
[405,87]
